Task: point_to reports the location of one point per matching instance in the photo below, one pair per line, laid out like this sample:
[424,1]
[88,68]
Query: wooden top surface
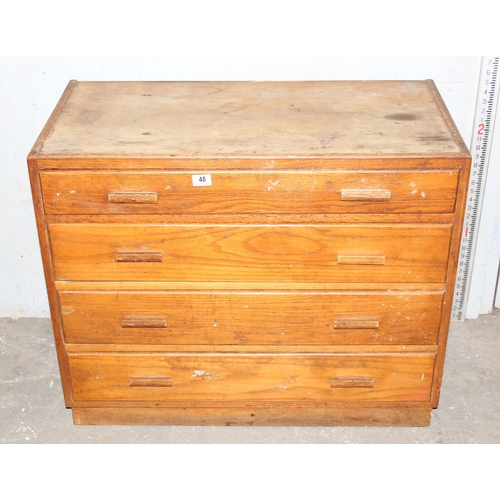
[250,119]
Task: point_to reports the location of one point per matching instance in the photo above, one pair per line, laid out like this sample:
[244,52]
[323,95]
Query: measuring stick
[480,150]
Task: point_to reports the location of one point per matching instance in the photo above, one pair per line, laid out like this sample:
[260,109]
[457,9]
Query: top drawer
[390,191]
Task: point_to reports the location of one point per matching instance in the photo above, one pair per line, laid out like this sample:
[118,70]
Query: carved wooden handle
[352,382]
[144,322]
[348,324]
[150,382]
[377,260]
[365,195]
[133,198]
[138,256]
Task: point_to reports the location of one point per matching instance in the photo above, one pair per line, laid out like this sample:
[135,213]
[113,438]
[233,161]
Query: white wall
[31,86]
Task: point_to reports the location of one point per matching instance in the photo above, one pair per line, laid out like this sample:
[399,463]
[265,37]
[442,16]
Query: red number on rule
[481,129]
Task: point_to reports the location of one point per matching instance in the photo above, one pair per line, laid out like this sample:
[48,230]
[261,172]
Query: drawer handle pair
[161,322]
[365,195]
[144,322]
[156,256]
[133,198]
[335,382]
[345,195]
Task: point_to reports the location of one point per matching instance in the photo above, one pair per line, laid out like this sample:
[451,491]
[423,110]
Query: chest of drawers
[250,253]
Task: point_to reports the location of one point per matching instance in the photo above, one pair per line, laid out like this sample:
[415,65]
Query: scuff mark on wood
[202,374]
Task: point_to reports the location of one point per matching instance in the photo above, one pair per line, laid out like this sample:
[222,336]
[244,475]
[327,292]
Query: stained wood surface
[412,253]
[251,377]
[387,192]
[43,237]
[278,415]
[455,254]
[251,318]
[252,348]
[247,163]
[253,219]
[218,119]
[260,286]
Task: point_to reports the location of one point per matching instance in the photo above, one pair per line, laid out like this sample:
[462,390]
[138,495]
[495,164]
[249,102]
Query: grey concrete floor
[32,409]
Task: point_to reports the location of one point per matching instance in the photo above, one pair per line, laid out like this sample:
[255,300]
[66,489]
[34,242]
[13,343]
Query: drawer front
[240,318]
[257,192]
[320,253]
[153,378]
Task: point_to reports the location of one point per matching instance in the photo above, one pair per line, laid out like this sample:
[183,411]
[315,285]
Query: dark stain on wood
[402,117]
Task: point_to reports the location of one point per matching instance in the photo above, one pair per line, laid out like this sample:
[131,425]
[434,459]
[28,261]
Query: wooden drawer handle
[377,260]
[144,322]
[365,195]
[138,256]
[348,324]
[133,198]
[352,382]
[150,382]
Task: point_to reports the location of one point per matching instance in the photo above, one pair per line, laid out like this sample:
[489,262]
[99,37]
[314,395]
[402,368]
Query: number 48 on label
[202,180]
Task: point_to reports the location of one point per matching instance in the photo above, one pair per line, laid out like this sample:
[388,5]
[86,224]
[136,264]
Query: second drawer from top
[202,252]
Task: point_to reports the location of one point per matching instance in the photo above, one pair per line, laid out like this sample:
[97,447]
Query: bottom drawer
[251,377]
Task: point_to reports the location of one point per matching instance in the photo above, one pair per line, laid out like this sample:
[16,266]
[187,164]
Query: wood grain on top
[251,119]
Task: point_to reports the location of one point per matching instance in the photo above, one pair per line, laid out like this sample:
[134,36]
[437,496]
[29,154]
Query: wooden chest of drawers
[250,253]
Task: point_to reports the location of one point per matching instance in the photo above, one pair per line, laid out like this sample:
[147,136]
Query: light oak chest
[250,253]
